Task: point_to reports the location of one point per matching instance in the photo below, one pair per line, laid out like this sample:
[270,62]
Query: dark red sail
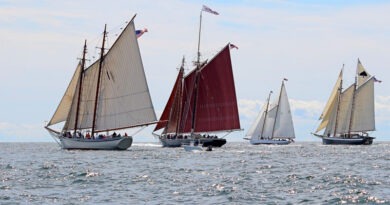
[170,115]
[216,108]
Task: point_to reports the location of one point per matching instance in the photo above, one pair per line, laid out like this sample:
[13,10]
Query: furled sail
[64,107]
[362,74]
[330,105]
[364,109]
[124,98]
[284,127]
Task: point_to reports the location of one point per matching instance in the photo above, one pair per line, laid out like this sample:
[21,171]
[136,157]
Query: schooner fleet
[112,95]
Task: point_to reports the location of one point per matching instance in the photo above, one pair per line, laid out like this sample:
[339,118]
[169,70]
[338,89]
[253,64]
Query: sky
[304,41]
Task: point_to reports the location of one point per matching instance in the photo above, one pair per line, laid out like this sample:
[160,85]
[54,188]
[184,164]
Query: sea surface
[238,173]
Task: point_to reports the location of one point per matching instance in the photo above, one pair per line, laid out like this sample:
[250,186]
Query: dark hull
[347,141]
[205,142]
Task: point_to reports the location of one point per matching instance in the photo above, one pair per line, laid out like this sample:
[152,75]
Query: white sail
[330,105]
[362,74]
[284,127]
[124,98]
[345,110]
[64,107]
[257,125]
[364,109]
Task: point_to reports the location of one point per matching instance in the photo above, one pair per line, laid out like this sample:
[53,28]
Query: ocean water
[238,173]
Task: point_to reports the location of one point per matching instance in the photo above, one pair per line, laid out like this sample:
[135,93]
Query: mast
[180,94]
[277,108]
[98,80]
[266,112]
[196,78]
[338,103]
[80,85]
[353,101]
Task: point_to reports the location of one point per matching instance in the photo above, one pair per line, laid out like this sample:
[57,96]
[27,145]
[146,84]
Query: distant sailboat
[112,94]
[350,113]
[202,102]
[274,123]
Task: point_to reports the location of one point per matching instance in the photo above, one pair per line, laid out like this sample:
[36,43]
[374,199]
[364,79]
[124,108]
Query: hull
[96,144]
[269,141]
[347,141]
[205,142]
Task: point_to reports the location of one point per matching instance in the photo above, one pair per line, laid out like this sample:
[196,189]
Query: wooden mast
[266,112]
[277,108]
[353,102]
[80,86]
[180,95]
[98,80]
[338,102]
[196,79]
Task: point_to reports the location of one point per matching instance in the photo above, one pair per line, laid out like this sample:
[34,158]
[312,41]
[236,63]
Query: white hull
[94,144]
[269,141]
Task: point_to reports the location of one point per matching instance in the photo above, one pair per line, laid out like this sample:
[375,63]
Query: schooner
[350,113]
[110,95]
[201,102]
[274,124]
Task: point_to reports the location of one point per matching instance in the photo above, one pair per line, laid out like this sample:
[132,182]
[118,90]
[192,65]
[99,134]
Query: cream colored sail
[284,127]
[330,105]
[63,108]
[362,74]
[257,125]
[364,109]
[124,98]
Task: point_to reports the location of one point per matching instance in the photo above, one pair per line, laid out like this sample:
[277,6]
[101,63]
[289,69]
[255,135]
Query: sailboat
[110,95]
[274,124]
[350,113]
[201,103]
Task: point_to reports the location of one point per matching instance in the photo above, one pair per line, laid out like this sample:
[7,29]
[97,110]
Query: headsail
[284,127]
[330,105]
[124,98]
[64,107]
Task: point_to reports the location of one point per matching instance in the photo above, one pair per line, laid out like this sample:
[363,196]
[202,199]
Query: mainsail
[276,122]
[123,97]
[216,104]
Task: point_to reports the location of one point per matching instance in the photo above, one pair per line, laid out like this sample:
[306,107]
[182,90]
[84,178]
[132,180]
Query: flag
[285,79]
[233,46]
[207,9]
[376,80]
[139,33]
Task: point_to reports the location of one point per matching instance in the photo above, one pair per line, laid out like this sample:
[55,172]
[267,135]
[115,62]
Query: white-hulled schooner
[350,113]
[274,124]
[111,94]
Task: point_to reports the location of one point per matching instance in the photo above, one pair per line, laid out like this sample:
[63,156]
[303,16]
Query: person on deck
[88,136]
[125,134]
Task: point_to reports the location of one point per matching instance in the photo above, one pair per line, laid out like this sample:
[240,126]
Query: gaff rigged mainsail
[216,104]
[123,96]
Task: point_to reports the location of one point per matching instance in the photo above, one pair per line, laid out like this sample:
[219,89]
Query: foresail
[364,110]
[330,105]
[255,130]
[62,112]
[284,127]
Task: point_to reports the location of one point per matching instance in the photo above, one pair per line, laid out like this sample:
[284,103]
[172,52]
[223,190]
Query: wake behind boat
[350,113]
[274,123]
[110,95]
